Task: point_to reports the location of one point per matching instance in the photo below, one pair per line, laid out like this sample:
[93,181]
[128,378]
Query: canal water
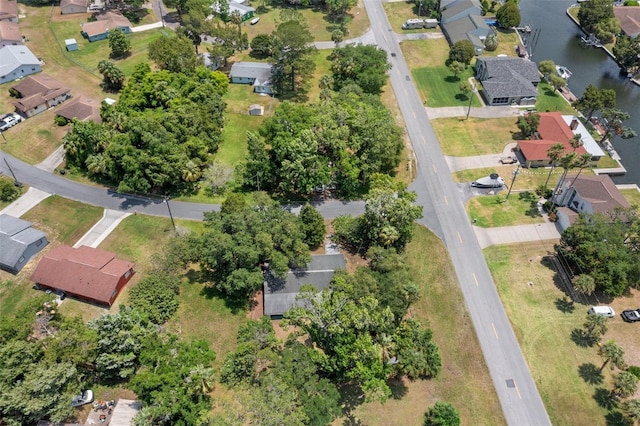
[559,40]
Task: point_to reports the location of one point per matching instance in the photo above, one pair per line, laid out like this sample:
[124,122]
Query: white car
[9,120]
[255,20]
[85,398]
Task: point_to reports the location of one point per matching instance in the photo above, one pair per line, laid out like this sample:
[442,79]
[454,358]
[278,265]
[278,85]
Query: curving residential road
[102,197]
[445,215]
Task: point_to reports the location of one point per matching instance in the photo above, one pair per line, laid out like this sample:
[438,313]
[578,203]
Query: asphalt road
[445,215]
[102,197]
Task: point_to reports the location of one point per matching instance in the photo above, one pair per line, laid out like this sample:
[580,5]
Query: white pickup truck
[9,120]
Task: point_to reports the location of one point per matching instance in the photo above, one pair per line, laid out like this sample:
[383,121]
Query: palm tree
[190,171]
[631,409]
[576,141]
[624,384]
[585,284]
[554,153]
[202,377]
[595,326]
[582,161]
[566,162]
[612,354]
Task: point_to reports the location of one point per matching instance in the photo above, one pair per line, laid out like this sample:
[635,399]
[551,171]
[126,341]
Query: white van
[605,311]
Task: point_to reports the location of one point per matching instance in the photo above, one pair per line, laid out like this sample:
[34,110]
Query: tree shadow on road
[590,373]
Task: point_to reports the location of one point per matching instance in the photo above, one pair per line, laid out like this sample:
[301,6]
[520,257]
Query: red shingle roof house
[9,34]
[87,273]
[588,194]
[83,109]
[9,10]
[629,18]
[38,93]
[552,129]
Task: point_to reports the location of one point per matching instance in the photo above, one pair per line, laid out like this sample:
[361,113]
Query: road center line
[460,237]
[434,168]
[476,279]
[446,200]
[494,330]
[517,390]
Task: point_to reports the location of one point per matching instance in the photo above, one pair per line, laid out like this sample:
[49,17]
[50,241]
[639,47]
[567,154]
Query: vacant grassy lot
[398,12]
[317,21]
[64,221]
[464,380]
[492,210]
[566,374]
[441,89]
[429,53]
[89,54]
[476,136]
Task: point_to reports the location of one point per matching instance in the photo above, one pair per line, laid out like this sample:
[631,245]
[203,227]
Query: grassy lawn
[632,196]
[317,21]
[89,54]
[464,380]
[201,315]
[550,100]
[492,210]
[607,162]
[425,53]
[63,220]
[475,136]
[508,40]
[399,12]
[441,89]
[544,329]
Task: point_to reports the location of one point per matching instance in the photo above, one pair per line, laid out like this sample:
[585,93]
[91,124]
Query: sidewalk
[101,230]
[50,163]
[516,234]
[26,202]
[484,112]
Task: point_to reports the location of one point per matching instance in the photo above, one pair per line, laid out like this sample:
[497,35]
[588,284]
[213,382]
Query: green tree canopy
[361,64]
[119,44]
[291,58]
[508,15]
[462,51]
[442,414]
[236,245]
[112,77]
[174,53]
[594,99]
[627,52]
[156,295]
[603,247]
[312,224]
[594,12]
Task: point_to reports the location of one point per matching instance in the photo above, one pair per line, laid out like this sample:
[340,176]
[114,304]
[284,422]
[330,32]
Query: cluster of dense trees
[606,248]
[427,8]
[363,65]
[597,17]
[388,219]
[160,134]
[355,333]
[627,53]
[550,73]
[47,358]
[340,141]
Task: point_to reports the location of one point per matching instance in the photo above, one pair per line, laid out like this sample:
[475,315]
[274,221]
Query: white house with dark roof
[588,194]
[507,80]
[257,74]
[280,294]
[19,242]
[38,93]
[462,20]
[17,62]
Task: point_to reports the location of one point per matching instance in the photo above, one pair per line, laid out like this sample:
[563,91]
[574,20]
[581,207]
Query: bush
[157,296]
[632,3]
[8,190]
[60,120]
[634,369]
[544,192]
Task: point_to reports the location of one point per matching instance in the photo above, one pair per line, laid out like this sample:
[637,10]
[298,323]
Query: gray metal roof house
[19,242]
[257,74]
[17,62]
[507,80]
[462,20]
[280,294]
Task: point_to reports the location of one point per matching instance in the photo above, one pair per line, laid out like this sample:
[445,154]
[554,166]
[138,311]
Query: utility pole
[15,180]
[516,172]
[166,201]
[473,91]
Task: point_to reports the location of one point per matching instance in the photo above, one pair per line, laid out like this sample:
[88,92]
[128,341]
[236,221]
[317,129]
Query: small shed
[256,109]
[71,44]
